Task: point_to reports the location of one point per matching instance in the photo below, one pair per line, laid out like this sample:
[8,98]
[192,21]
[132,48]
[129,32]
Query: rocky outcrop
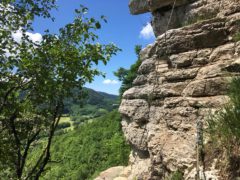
[143,6]
[114,173]
[186,12]
[184,75]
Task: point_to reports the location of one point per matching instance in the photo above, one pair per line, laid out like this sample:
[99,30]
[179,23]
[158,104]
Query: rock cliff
[183,77]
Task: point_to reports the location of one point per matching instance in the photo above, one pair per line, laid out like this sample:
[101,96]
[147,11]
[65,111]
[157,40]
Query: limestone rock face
[112,174]
[184,75]
[186,12]
[143,6]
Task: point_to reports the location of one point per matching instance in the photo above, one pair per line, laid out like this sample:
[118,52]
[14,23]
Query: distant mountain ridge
[93,105]
[98,97]
[110,96]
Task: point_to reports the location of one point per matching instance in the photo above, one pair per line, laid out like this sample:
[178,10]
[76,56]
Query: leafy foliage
[88,150]
[224,125]
[236,37]
[36,77]
[63,125]
[177,175]
[128,75]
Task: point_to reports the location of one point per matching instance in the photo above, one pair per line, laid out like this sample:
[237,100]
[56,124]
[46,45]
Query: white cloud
[35,37]
[147,32]
[17,36]
[109,81]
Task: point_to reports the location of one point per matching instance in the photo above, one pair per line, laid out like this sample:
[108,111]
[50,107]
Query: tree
[35,77]
[121,73]
[89,149]
[126,76]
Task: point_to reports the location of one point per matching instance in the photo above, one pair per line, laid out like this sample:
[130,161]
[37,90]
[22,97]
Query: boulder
[143,6]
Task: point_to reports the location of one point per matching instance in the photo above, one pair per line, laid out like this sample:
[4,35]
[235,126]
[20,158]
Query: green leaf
[98,25]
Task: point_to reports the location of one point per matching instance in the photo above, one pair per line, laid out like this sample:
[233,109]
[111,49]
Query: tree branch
[17,142]
[5,98]
[45,156]
[25,153]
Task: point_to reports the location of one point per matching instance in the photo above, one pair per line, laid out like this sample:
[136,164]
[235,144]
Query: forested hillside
[87,150]
[95,104]
[88,139]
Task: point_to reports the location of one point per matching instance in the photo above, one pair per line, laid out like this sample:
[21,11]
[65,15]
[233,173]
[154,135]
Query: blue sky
[123,29]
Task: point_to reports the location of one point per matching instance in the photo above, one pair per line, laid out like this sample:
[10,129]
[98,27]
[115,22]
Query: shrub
[63,125]
[59,132]
[177,175]
[236,36]
[79,118]
[127,76]
[76,124]
[224,125]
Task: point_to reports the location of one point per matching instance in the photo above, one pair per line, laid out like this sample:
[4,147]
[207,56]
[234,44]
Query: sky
[123,29]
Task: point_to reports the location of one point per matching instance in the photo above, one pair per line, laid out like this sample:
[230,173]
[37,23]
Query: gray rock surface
[143,6]
[111,174]
[184,76]
[186,12]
